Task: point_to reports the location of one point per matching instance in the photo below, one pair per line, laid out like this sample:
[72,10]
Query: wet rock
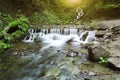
[69,40]
[54,71]
[67,75]
[91,74]
[107,40]
[24,60]
[72,54]
[49,78]
[83,57]
[85,36]
[96,51]
[107,36]
[105,77]
[115,60]
[100,34]
[116,30]
[38,39]
[102,28]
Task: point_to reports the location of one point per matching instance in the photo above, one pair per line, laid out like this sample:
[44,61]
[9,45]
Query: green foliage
[111,6]
[51,13]
[102,60]
[4,20]
[46,17]
[19,24]
[1,23]
[4,45]
[95,9]
[94,23]
[49,16]
[22,22]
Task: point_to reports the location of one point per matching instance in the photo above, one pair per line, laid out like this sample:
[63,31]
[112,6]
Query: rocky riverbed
[26,61]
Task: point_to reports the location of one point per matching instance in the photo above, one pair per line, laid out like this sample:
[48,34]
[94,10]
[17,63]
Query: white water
[59,37]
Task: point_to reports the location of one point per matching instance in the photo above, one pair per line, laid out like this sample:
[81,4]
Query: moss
[15,29]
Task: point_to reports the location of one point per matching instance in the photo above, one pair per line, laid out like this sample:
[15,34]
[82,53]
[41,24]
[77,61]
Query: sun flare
[69,3]
[74,1]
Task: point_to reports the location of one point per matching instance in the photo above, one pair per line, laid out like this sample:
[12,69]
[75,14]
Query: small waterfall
[90,37]
[56,31]
[59,37]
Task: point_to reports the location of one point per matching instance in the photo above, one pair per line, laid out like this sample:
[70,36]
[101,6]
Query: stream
[51,54]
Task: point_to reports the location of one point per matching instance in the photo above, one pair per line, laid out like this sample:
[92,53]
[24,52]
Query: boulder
[116,30]
[107,36]
[24,60]
[100,34]
[85,36]
[69,40]
[38,39]
[102,28]
[115,60]
[96,51]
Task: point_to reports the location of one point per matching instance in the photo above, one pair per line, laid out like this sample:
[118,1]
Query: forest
[59,39]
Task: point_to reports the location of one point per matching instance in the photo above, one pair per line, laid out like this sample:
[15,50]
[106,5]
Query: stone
[85,36]
[105,77]
[91,74]
[102,27]
[38,39]
[107,36]
[100,34]
[52,77]
[72,54]
[116,30]
[22,61]
[115,60]
[96,51]
[54,71]
[69,40]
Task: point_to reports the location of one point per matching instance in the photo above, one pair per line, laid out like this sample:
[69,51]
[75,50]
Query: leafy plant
[11,30]
[4,20]
[93,24]
[4,45]
[102,60]
[111,6]
[22,22]
[18,26]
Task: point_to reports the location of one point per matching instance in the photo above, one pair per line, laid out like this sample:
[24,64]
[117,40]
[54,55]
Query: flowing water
[58,37]
[44,56]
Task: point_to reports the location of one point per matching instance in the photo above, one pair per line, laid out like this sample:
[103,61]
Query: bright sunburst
[74,1]
[69,3]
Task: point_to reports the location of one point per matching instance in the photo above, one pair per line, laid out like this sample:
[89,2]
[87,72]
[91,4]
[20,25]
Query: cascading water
[58,37]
